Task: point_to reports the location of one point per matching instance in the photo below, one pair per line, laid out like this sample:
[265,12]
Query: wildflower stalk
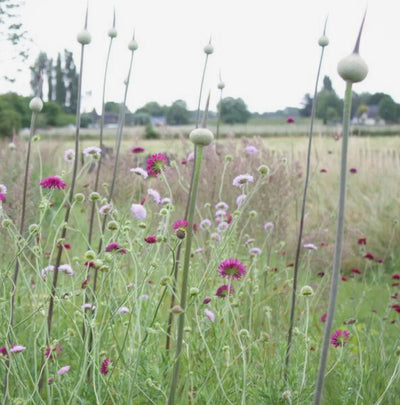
[103,104]
[36,106]
[200,137]
[391,380]
[83,39]
[221,86]
[208,49]
[322,43]
[352,69]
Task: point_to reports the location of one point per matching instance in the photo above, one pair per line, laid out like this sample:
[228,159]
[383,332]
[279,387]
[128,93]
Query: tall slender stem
[201,91]
[338,247]
[198,151]
[301,225]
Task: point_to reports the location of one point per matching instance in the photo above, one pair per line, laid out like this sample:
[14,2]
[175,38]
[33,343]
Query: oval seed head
[112,33]
[36,104]
[323,41]
[84,37]
[201,136]
[208,49]
[221,85]
[133,45]
[306,291]
[353,68]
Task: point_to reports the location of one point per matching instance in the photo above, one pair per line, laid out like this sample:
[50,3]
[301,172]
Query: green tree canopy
[389,110]
[178,113]
[233,110]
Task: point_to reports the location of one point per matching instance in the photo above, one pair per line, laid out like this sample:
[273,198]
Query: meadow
[233,347]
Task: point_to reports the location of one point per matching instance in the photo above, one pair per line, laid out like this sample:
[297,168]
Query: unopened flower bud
[112,33]
[221,85]
[94,196]
[323,41]
[353,68]
[133,45]
[177,309]
[84,37]
[306,291]
[79,197]
[201,136]
[208,49]
[36,104]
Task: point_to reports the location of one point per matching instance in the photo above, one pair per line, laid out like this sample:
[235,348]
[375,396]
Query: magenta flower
[52,182]
[323,317]
[137,149]
[151,239]
[180,224]
[2,198]
[210,315]
[63,370]
[52,352]
[207,300]
[232,268]
[353,170]
[290,120]
[340,337]
[156,164]
[396,276]
[356,271]
[224,291]
[369,256]
[104,366]
[115,246]
[3,350]
[323,170]
[362,241]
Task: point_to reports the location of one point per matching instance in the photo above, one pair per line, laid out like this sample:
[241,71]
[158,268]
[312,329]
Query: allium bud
[112,33]
[323,41]
[353,68]
[84,37]
[208,49]
[133,45]
[221,85]
[36,104]
[201,136]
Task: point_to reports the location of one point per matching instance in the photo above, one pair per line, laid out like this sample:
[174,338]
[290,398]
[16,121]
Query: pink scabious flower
[69,155]
[63,370]
[323,317]
[232,268]
[243,179]
[2,198]
[46,270]
[180,224]
[222,206]
[269,227]
[3,189]
[205,224]
[340,337]
[104,366]
[190,157]
[123,310]
[140,172]
[241,199]
[138,211]
[290,120]
[106,209]
[151,239]
[155,194]
[323,170]
[52,352]
[66,268]
[17,348]
[224,290]
[115,246]
[251,150]
[156,164]
[209,314]
[137,149]
[3,351]
[52,182]
[255,251]
[92,151]
[223,226]
[310,246]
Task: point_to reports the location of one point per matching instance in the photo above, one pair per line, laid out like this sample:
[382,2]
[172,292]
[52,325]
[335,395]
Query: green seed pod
[228,158]
[133,45]
[34,228]
[306,291]
[263,170]
[79,197]
[90,255]
[221,85]
[177,309]
[36,138]
[112,226]
[112,33]
[201,136]
[194,291]
[84,37]
[94,196]
[36,104]
[353,68]
[323,41]
[6,223]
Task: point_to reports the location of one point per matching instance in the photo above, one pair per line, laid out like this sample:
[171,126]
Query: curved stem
[198,151]
[301,225]
[338,247]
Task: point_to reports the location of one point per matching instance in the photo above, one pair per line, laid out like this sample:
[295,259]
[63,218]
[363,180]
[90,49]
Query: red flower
[115,246]
[353,170]
[52,182]
[396,276]
[137,149]
[323,170]
[290,120]
[396,307]
[151,239]
[323,317]
[369,256]
[155,164]
[356,271]
[84,282]
[344,278]
[362,241]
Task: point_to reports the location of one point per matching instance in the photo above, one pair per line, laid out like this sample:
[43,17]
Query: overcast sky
[266,50]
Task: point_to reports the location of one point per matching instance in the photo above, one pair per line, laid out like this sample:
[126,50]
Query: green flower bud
[6,223]
[142,225]
[89,255]
[165,280]
[187,329]
[201,136]
[133,45]
[94,196]
[163,211]
[79,197]
[36,138]
[34,228]
[353,68]
[112,33]
[208,49]
[36,104]
[228,158]
[306,291]
[323,41]
[112,226]
[252,214]
[84,37]
[176,309]
[263,170]
[194,291]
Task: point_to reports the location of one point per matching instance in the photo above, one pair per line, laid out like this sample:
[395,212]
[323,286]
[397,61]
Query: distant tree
[52,111]
[329,105]
[376,98]
[17,103]
[61,92]
[177,113]
[10,120]
[307,106]
[233,110]
[112,106]
[327,84]
[39,68]
[389,110]
[141,118]
[153,109]
[71,82]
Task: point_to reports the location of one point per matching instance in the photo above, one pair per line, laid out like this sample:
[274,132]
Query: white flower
[66,268]
[92,151]
[140,172]
[155,194]
[3,189]
[242,180]
[69,155]
[138,211]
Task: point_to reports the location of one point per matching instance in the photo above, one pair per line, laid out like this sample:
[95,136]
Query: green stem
[198,151]
[301,225]
[201,91]
[338,247]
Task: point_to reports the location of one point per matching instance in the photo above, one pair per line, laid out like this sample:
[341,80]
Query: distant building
[369,117]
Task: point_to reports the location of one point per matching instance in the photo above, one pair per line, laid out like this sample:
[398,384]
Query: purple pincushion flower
[224,290]
[156,164]
[232,268]
[52,182]
[340,337]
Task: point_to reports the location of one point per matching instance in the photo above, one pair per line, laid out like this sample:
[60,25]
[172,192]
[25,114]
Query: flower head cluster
[155,194]
[224,290]
[137,149]
[93,152]
[106,209]
[69,155]
[140,172]
[52,352]
[232,268]
[138,211]
[3,192]
[66,268]
[180,224]
[251,150]
[151,239]
[115,246]
[156,164]
[104,366]
[52,182]
[340,337]
[243,179]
